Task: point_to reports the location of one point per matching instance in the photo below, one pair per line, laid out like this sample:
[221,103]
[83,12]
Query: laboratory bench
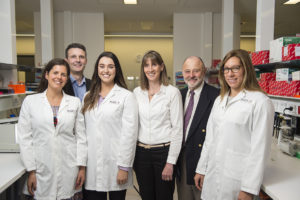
[282,176]
[11,176]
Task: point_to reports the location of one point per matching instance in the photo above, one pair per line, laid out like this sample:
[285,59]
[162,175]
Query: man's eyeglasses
[234,69]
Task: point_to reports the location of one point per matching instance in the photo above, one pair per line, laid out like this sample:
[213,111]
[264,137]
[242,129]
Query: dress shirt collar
[73,80]
[162,90]
[197,90]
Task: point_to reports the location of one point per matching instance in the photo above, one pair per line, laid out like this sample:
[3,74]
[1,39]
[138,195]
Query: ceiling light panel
[292,2]
[130,2]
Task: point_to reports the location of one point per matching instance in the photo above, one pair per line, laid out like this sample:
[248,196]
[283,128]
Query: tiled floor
[133,195]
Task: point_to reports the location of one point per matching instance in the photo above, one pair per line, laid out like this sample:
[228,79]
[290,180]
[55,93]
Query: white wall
[217,36]
[80,27]
[236,31]
[8,32]
[192,35]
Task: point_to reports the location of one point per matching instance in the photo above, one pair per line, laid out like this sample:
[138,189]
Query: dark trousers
[113,195]
[148,166]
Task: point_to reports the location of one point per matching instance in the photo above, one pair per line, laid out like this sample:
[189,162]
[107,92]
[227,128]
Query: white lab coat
[111,132]
[237,146]
[55,153]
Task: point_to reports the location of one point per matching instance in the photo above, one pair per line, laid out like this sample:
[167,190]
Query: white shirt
[196,100]
[161,119]
[237,145]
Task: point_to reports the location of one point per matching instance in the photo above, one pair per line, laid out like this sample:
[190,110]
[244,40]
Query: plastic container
[18,88]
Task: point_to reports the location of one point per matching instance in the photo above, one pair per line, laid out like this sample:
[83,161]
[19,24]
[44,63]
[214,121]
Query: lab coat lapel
[48,109]
[110,95]
[240,96]
[64,103]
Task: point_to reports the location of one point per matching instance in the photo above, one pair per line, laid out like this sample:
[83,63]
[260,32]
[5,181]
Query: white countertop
[282,176]
[281,179]
[11,169]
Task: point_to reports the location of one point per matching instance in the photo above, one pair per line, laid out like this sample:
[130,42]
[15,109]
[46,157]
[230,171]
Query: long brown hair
[249,80]
[92,96]
[55,61]
[155,57]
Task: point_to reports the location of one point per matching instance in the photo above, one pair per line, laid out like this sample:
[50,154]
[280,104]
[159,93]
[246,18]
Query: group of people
[76,132]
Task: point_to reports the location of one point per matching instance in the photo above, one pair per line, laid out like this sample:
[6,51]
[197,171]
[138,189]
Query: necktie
[188,113]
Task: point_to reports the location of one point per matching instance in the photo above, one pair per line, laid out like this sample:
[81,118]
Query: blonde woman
[239,133]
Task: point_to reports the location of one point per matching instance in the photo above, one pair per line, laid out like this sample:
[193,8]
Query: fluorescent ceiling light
[292,2]
[247,36]
[25,35]
[130,1]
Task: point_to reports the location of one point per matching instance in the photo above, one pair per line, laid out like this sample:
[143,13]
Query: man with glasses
[77,84]
[198,99]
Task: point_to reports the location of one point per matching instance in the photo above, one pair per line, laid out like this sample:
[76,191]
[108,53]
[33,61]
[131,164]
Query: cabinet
[10,105]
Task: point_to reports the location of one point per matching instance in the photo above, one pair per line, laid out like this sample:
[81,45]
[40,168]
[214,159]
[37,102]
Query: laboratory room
[150,100]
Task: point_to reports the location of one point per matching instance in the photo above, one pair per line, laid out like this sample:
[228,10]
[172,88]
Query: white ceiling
[156,16]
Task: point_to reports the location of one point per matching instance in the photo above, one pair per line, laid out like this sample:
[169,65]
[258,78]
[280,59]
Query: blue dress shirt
[79,89]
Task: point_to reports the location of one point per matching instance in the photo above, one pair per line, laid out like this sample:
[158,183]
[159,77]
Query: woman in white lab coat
[160,130]
[52,138]
[238,137]
[111,115]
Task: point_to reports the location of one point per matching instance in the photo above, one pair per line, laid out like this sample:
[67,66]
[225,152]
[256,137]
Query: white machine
[8,135]
[287,139]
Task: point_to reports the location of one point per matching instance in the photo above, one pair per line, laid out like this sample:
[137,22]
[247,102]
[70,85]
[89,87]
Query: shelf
[11,101]
[16,94]
[284,98]
[276,65]
[5,66]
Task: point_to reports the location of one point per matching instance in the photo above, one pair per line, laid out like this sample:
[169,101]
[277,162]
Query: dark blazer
[197,131]
[68,89]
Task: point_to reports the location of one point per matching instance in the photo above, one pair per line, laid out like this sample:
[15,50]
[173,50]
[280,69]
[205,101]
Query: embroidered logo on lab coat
[71,110]
[246,100]
[114,102]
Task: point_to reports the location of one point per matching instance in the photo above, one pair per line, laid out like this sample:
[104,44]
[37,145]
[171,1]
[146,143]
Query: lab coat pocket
[234,164]
[240,116]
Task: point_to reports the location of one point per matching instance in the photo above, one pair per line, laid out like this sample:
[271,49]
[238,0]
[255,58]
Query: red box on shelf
[291,52]
[215,62]
[278,88]
[264,85]
[260,57]
[268,77]
[293,88]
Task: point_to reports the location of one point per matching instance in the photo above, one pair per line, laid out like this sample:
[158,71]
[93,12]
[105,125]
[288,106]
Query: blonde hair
[155,57]
[249,79]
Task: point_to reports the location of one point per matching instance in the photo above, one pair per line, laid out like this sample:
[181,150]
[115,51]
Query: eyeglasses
[234,69]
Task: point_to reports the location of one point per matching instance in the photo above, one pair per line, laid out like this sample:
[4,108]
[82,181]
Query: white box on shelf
[276,47]
[296,76]
[283,74]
